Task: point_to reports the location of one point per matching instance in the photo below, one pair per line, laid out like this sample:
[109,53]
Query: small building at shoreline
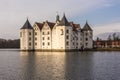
[61,35]
[107,44]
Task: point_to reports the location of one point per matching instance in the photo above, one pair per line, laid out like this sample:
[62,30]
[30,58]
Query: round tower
[26,37]
[87,36]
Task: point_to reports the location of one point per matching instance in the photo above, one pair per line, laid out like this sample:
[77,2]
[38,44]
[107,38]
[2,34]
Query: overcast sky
[102,15]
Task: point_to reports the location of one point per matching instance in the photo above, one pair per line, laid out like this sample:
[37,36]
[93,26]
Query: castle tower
[87,36]
[26,37]
[63,34]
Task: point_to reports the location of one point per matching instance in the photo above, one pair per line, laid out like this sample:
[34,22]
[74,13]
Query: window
[48,38]
[73,43]
[29,43]
[67,43]
[91,33]
[48,32]
[35,38]
[29,38]
[35,33]
[73,38]
[48,43]
[43,43]
[29,33]
[61,31]
[80,43]
[76,43]
[81,39]
[43,33]
[76,38]
[43,38]
[86,39]
[67,37]
[67,31]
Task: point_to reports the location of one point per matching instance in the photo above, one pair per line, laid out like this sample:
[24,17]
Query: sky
[102,15]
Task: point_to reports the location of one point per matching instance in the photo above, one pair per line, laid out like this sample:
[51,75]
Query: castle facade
[61,35]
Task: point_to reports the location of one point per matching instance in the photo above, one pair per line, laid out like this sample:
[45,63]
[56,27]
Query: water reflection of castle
[61,35]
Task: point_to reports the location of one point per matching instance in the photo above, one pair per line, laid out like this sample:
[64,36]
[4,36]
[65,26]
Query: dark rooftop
[64,21]
[86,27]
[27,25]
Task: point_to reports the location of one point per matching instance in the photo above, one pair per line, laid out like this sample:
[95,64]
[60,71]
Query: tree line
[114,36]
[9,43]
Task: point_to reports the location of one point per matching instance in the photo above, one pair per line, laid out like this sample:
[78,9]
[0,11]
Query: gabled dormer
[48,25]
[27,25]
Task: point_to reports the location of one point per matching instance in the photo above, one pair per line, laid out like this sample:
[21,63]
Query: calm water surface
[16,65]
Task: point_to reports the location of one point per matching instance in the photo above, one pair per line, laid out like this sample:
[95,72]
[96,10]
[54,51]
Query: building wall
[58,38]
[26,39]
[46,37]
[88,39]
[37,37]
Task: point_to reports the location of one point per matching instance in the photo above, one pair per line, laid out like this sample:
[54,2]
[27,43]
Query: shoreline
[95,49]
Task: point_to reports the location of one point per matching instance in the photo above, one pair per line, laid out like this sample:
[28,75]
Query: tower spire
[64,21]
[27,25]
[57,17]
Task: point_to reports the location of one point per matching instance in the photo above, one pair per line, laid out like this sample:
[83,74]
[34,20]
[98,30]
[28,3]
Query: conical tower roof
[64,21]
[87,27]
[27,25]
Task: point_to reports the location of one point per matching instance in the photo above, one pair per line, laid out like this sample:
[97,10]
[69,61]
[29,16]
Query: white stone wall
[60,37]
[26,39]
[55,38]
[37,37]
[68,37]
[80,39]
[88,39]
[46,37]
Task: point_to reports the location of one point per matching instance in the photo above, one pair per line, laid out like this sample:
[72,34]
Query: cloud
[14,12]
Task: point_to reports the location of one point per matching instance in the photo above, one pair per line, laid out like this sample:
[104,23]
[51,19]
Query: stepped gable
[64,21]
[40,25]
[86,27]
[27,25]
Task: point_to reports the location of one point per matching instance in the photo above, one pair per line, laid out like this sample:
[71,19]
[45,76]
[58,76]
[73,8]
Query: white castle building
[59,36]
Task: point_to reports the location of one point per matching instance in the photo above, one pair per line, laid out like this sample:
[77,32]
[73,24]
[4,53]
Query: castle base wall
[58,50]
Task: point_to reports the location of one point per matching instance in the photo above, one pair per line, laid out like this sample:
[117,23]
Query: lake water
[16,65]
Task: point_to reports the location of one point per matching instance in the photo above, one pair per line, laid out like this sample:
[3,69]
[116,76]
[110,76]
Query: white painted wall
[25,40]
[37,37]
